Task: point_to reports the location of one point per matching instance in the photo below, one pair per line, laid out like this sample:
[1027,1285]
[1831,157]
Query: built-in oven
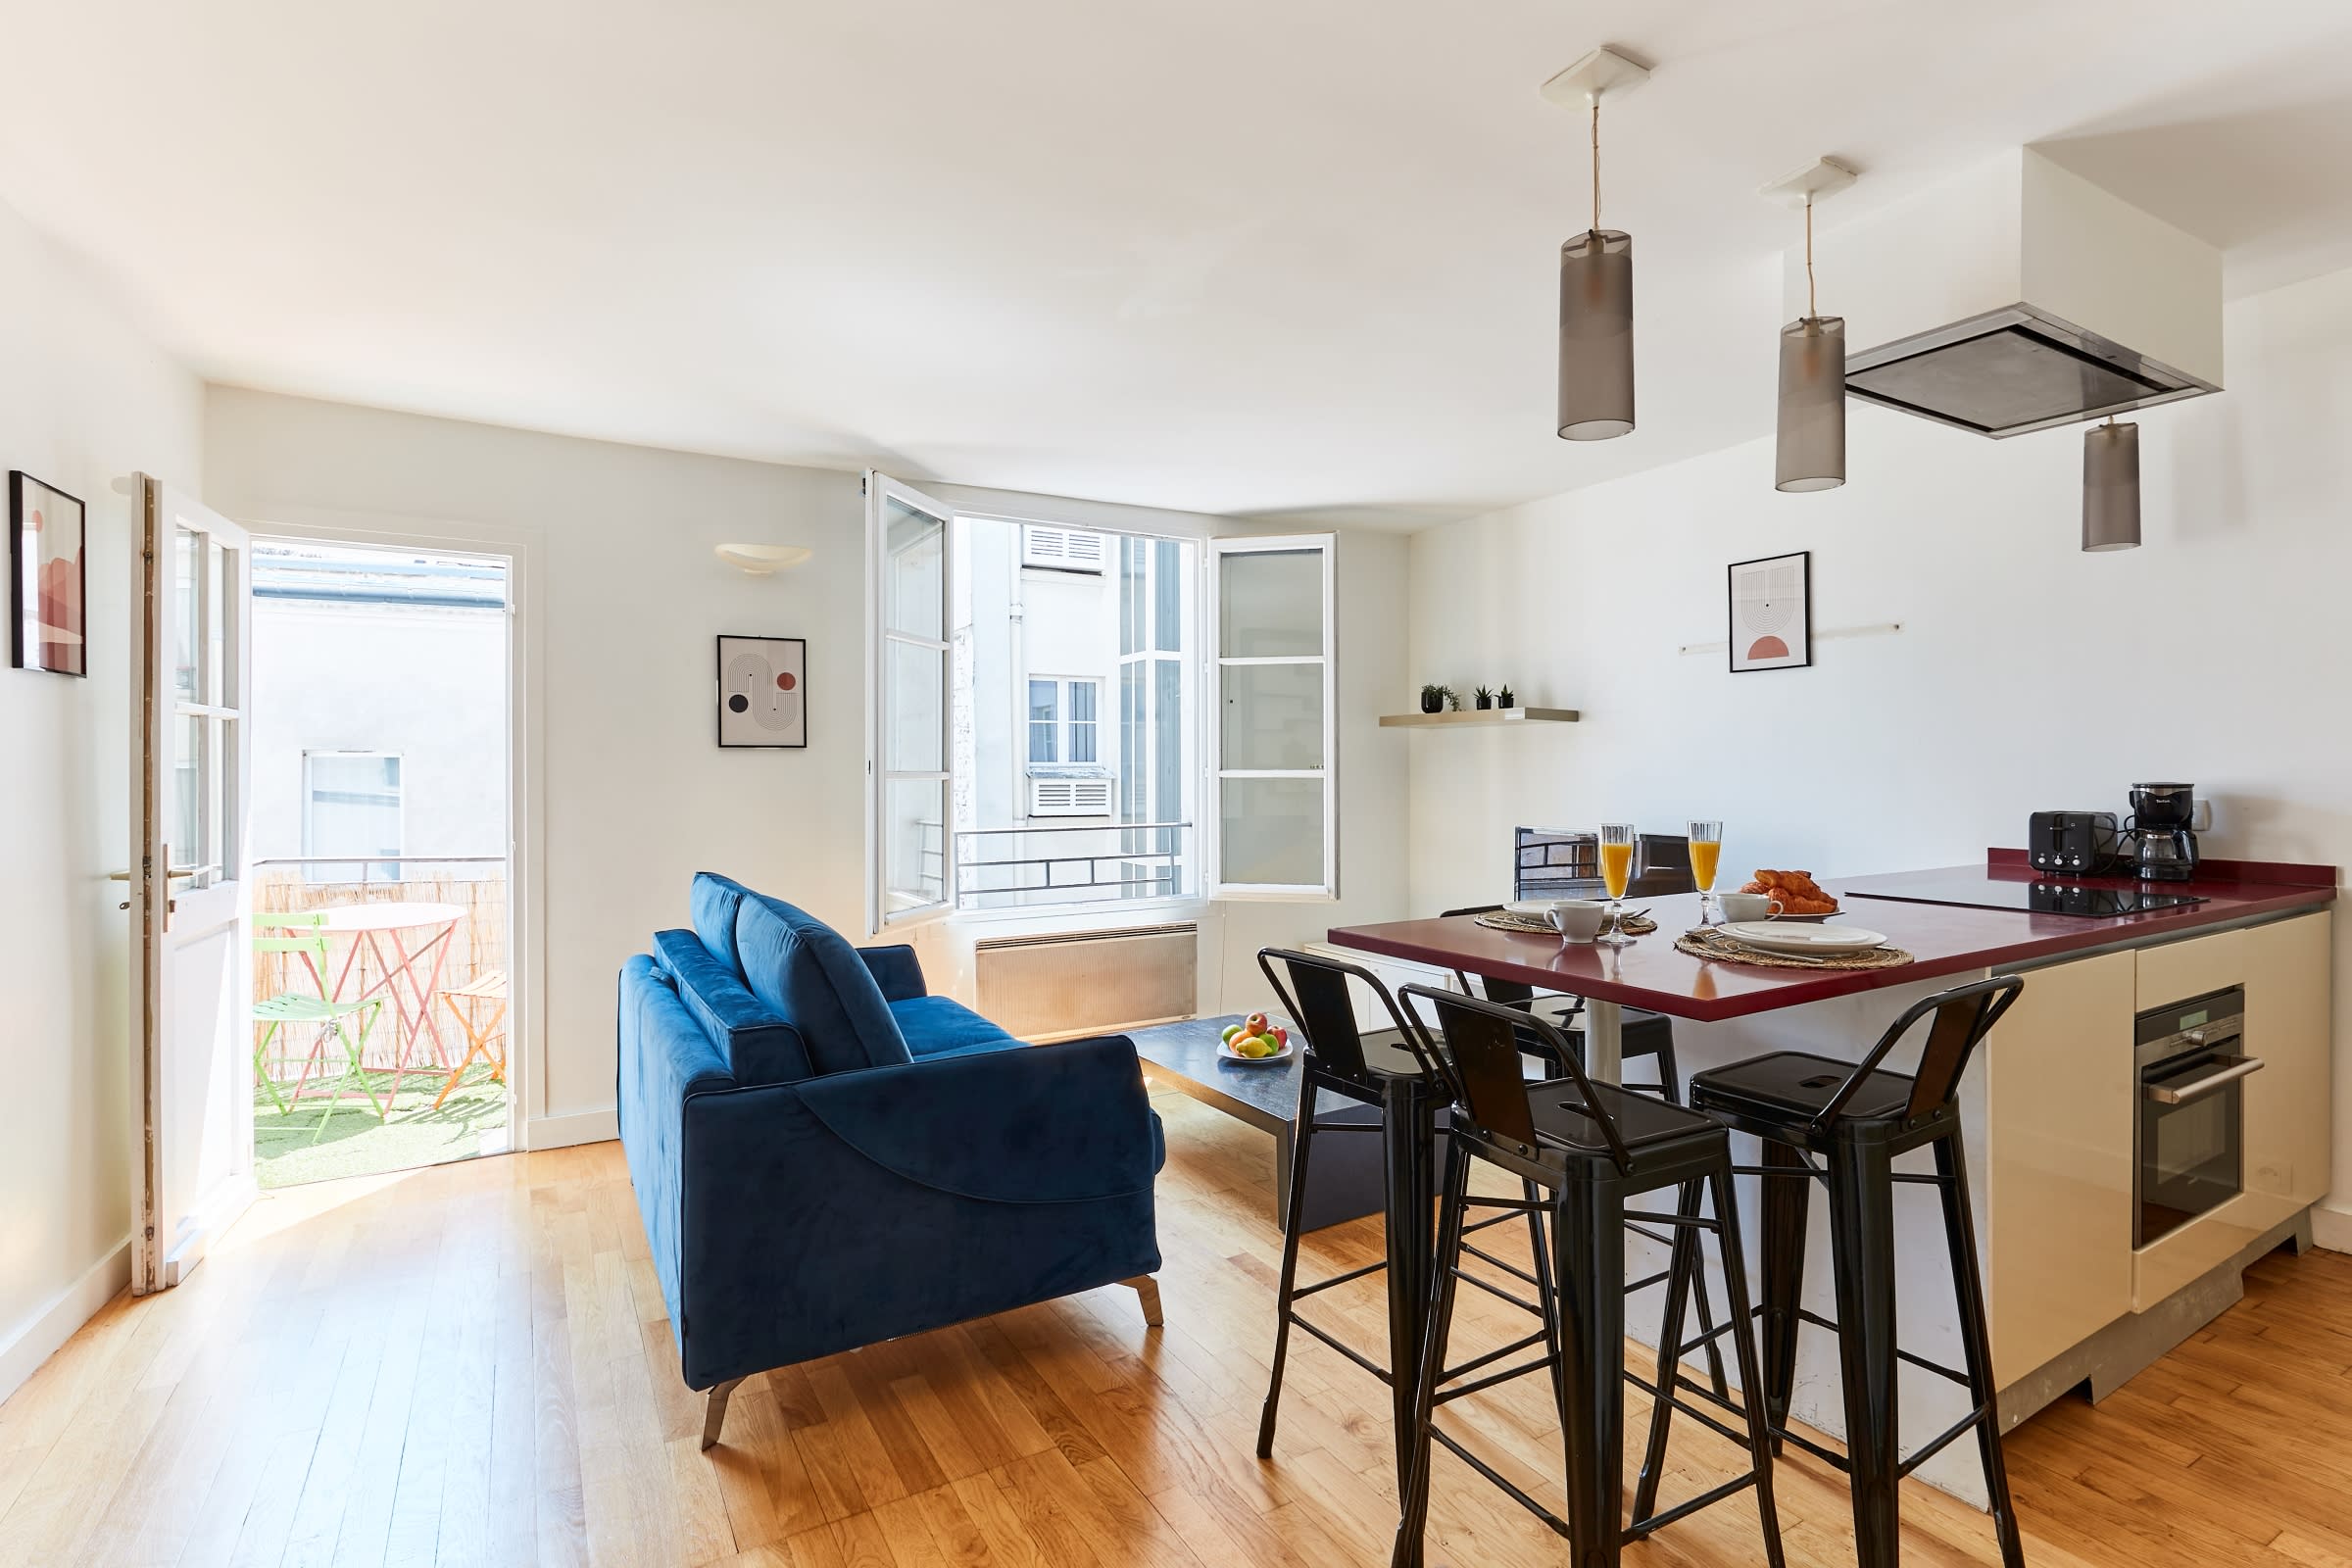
[2189,1146]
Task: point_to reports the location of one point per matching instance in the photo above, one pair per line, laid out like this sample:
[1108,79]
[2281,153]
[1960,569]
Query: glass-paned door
[1275,735]
[912,874]
[192,985]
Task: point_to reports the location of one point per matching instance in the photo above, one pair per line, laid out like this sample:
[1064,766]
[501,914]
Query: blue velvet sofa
[826,1157]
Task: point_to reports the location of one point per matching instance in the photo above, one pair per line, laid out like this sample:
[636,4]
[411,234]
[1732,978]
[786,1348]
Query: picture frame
[763,692]
[1769,608]
[48,577]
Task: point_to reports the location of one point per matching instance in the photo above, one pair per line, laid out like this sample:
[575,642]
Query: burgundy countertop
[1943,939]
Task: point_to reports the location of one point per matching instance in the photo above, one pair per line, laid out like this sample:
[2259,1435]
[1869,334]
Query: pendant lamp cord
[1595,163]
[1812,302]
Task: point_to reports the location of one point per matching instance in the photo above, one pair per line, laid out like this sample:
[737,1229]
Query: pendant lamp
[1810,454]
[2111,487]
[1596,277]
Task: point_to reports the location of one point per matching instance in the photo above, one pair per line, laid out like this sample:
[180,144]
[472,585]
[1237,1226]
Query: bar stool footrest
[1373,1367]
[1684,1509]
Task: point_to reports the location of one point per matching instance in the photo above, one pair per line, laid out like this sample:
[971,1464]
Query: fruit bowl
[1254,1040]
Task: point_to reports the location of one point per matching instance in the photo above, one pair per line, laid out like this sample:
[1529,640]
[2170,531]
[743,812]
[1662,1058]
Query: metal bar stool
[1590,1148]
[1854,1120]
[1646,1034]
[1395,1070]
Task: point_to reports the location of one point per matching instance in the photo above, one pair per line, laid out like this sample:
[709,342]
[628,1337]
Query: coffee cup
[1738,907]
[1576,919]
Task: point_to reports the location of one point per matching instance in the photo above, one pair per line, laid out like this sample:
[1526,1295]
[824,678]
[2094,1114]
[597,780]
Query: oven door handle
[2182,1094]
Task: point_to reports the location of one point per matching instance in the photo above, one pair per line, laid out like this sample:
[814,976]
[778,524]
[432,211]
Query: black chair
[1856,1120]
[1590,1148]
[1342,1059]
[1646,1034]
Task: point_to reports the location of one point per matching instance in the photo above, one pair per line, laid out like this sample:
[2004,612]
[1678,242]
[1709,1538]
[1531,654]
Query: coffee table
[1346,1180]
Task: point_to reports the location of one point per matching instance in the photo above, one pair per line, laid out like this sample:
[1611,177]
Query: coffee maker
[2158,834]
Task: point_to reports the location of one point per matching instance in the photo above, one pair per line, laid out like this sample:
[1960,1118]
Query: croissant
[1798,892]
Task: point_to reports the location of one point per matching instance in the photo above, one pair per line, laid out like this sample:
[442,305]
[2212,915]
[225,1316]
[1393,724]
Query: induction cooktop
[2036,895]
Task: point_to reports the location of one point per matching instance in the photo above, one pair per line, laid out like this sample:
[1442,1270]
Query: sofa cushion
[935,1026]
[808,976]
[759,1047]
[714,900]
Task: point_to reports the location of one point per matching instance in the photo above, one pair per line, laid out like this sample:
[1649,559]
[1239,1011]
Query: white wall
[2028,674]
[628,600]
[426,682]
[637,797]
[86,401]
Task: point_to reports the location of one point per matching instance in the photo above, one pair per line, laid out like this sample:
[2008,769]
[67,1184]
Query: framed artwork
[762,691]
[1771,613]
[48,578]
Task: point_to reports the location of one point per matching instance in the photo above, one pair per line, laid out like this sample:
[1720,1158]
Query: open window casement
[910,872]
[1274,739]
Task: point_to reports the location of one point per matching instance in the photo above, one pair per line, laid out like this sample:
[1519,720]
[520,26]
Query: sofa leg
[1147,1289]
[714,1413]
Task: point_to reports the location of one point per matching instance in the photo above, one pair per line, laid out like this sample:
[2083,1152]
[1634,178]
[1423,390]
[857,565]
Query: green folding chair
[306,937]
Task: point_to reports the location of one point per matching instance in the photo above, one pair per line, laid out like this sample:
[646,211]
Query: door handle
[2183,1094]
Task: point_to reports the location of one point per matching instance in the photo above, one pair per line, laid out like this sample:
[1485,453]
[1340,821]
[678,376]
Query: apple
[1231,1031]
[1282,1036]
[1254,1025]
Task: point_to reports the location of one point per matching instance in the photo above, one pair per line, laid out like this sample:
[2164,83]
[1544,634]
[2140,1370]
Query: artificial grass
[356,1144]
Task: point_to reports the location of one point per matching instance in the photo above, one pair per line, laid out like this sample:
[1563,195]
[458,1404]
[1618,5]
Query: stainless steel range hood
[2016,296]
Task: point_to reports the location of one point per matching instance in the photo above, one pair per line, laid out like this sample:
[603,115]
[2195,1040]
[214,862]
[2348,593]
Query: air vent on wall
[1070,796]
[1061,549]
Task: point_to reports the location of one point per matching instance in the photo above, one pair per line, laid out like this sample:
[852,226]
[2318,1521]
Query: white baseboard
[2332,1228]
[579,1127]
[25,1347]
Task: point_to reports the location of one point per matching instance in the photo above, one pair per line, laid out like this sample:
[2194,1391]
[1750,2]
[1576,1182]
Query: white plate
[1225,1049]
[1784,936]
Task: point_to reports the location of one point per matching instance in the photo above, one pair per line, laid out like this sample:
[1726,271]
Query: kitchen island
[2053,1106]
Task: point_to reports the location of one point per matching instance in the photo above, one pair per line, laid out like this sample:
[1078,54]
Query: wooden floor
[313,1396]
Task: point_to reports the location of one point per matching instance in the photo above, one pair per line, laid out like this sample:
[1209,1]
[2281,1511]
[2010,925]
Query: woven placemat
[1708,943]
[1536,925]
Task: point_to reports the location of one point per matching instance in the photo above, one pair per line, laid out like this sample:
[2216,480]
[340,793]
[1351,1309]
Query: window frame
[880,491]
[1212,706]
[311,851]
[1063,726]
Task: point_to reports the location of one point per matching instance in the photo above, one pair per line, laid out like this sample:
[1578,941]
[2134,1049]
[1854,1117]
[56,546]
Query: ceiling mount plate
[1825,177]
[1602,74]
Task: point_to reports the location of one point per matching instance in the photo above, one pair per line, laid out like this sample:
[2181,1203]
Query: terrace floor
[308,1143]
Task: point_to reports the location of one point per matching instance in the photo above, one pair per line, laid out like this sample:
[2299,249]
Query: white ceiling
[1238,256]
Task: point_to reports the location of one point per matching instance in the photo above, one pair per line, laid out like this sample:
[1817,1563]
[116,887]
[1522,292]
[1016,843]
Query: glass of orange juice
[1616,869]
[1706,848]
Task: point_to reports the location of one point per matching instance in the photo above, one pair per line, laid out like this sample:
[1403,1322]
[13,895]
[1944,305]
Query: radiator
[1087,982]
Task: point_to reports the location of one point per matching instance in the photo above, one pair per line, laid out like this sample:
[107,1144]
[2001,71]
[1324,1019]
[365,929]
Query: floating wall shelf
[1471,717]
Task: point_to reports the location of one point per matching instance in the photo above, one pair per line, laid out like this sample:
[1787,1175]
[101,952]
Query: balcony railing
[1008,867]
[476,944]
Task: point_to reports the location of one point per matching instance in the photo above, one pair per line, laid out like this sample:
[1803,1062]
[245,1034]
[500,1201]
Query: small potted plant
[1503,697]
[1485,698]
[1433,699]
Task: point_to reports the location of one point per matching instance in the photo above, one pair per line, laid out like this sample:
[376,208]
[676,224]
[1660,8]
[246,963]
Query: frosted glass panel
[1272,831]
[1271,717]
[1270,603]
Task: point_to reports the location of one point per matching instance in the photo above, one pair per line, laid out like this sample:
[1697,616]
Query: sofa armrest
[896,970]
[663,1062]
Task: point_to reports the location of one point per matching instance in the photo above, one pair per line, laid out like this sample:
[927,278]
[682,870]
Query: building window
[350,815]
[1063,719]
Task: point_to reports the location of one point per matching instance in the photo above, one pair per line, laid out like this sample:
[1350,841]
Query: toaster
[2076,844]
